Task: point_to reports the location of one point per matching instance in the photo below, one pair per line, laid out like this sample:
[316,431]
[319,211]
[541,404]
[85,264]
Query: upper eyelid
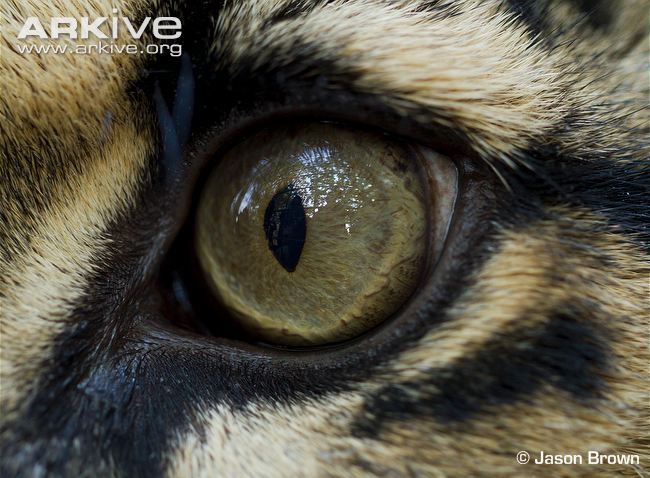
[181,171]
[225,84]
[226,79]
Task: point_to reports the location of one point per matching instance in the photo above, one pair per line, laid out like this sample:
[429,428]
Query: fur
[532,334]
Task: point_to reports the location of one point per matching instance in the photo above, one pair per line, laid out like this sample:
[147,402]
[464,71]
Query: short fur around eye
[532,335]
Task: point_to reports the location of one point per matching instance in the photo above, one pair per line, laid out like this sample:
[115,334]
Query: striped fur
[532,333]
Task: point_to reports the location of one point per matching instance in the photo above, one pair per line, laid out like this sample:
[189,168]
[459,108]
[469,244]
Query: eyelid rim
[425,310]
[354,110]
[200,156]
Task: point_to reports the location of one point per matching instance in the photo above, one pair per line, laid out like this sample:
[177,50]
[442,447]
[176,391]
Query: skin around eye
[313,234]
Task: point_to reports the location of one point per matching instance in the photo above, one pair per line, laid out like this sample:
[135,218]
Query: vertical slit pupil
[285,226]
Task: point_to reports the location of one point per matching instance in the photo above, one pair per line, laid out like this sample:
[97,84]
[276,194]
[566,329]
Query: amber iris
[313,234]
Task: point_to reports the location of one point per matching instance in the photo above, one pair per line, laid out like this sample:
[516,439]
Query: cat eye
[313,234]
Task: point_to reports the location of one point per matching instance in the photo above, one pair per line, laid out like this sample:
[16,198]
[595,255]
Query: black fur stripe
[566,354]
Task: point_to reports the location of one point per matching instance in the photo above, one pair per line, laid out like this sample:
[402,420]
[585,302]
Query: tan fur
[388,54]
[311,436]
[68,171]
[66,233]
